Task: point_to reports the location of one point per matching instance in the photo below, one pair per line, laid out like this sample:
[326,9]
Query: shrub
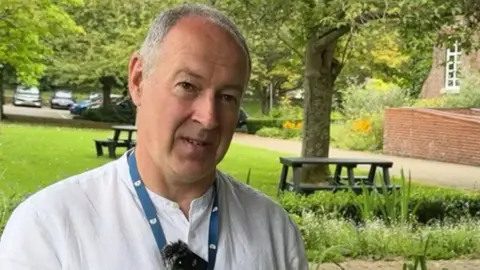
[286,110]
[254,125]
[272,132]
[370,99]
[426,206]
[363,107]
[110,115]
[334,239]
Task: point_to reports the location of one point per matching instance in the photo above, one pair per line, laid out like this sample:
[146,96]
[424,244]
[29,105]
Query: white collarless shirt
[95,221]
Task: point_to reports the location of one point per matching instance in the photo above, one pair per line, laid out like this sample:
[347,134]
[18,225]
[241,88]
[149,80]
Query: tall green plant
[393,204]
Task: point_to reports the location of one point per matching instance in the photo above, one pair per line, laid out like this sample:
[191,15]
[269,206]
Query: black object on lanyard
[151,213]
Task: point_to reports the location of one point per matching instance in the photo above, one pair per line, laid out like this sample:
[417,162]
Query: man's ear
[135,78]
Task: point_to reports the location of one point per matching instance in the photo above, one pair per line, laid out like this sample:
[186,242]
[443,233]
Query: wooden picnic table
[336,181]
[117,129]
[113,143]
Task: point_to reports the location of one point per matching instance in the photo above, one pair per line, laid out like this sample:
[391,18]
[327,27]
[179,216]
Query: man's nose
[205,111]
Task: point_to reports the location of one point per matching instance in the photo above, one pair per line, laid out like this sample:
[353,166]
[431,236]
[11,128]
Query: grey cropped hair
[165,20]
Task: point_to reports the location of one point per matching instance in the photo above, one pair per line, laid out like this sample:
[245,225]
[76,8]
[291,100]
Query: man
[187,82]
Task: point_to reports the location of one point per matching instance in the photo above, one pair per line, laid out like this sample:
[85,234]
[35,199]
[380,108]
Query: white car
[27,96]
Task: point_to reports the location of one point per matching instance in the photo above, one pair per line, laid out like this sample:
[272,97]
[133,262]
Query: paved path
[429,172]
[39,112]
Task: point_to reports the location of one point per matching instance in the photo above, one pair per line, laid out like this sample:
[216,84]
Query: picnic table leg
[116,135]
[351,176]
[338,174]
[296,178]
[98,147]
[111,150]
[130,133]
[371,174]
[283,180]
[386,176]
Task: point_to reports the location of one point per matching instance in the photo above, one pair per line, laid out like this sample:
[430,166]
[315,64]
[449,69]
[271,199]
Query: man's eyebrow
[235,87]
[188,72]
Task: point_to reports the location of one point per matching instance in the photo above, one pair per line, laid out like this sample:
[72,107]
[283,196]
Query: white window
[452,68]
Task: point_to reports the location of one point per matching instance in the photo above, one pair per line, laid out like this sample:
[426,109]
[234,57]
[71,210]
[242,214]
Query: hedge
[114,115]
[425,205]
[254,125]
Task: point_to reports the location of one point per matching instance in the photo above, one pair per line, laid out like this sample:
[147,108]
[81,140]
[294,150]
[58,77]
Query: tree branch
[279,36]
[364,18]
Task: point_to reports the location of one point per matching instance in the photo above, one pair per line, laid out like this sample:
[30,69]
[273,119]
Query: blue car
[80,106]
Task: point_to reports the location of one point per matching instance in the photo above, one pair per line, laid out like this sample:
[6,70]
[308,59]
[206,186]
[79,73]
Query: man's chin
[193,171]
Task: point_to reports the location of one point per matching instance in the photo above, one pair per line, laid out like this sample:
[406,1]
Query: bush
[254,125]
[283,133]
[111,115]
[370,98]
[363,107]
[286,110]
[272,132]
[425,205]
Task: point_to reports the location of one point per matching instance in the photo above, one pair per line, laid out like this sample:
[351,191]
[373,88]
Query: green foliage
[422,206]
[374,240]
[287,110]
[363,107]
[109,115]
[372,97]
[282,133]
[113,31]
[254,125]
[27,29]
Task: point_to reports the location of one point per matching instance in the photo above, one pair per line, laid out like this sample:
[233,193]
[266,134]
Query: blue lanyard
[152,217]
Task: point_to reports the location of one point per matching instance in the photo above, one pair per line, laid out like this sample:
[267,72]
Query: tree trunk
[321,70]
[265,101]
[108,83]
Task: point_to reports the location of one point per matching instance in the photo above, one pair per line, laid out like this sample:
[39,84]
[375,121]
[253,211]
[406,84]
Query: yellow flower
[362,126]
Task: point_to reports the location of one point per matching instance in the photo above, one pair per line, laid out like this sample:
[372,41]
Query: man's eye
[187,86]
[229,98]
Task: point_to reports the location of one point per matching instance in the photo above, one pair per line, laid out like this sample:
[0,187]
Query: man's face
[188,107]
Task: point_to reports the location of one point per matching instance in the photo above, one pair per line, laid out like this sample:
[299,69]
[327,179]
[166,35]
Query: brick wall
[434,134]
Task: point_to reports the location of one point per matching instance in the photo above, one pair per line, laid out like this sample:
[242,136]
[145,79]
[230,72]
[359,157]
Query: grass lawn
[32,157]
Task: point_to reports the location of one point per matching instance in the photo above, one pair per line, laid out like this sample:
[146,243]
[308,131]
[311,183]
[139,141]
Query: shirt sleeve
[26,243]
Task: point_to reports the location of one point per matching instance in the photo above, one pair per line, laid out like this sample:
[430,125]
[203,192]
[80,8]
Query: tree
[98,59]
[274,62]
[320,26]
[26,27]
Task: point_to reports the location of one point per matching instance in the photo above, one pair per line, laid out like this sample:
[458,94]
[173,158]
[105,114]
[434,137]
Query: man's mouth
[195,141]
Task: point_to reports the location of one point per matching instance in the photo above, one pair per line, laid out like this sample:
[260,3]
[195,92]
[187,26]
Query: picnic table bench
[337,181]
[113,143]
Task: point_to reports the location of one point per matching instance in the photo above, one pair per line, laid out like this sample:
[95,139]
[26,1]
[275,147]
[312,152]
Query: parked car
[242,119]
[62,99]
[27,96]
[93,102]
[80,106]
